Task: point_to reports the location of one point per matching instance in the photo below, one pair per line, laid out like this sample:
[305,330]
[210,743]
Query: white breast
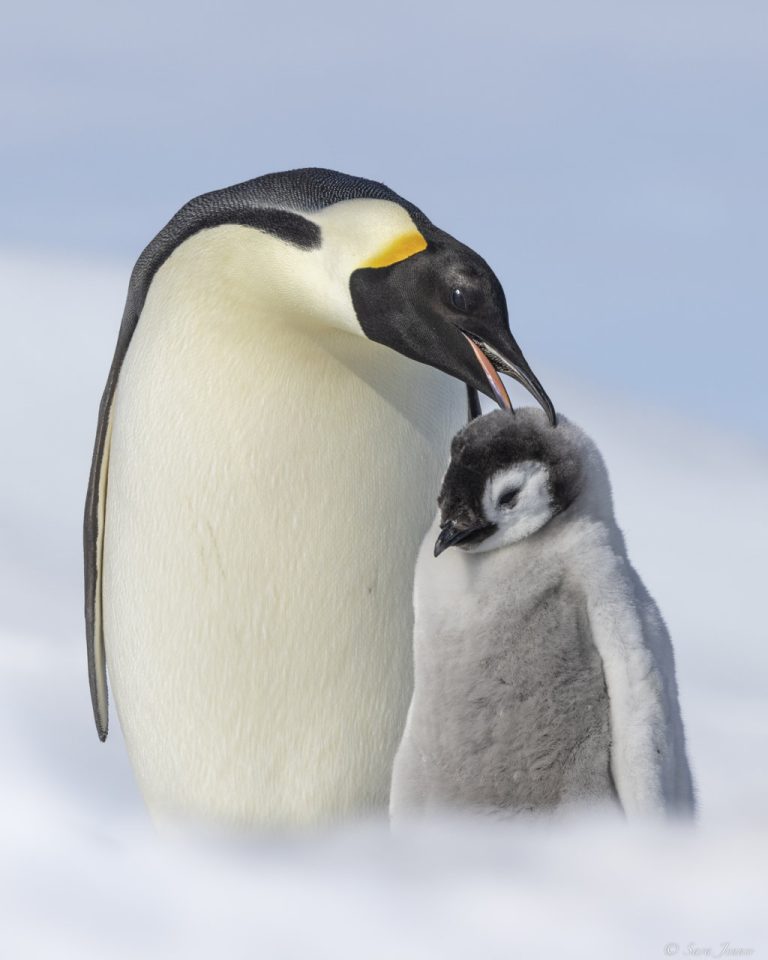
[268,489]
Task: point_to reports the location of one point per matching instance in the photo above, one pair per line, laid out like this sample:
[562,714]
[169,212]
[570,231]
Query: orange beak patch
[401,248]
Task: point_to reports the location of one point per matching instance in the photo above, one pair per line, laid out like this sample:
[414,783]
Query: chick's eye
[458,299]
[508,498]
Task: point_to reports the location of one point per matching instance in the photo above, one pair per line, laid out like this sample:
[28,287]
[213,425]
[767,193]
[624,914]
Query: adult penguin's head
[319,247]
[433,299]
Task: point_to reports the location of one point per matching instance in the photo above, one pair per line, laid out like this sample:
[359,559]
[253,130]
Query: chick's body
[513,705]
[544,673]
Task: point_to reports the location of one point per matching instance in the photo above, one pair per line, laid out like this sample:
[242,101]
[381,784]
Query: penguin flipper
[93,548]
[648,756]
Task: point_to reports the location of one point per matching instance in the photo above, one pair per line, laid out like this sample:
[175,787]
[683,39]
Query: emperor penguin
[294,356]
[544,673]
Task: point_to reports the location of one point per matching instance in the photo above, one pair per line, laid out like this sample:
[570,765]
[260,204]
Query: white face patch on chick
[518,501]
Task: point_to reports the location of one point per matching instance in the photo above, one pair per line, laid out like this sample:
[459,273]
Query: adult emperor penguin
[289,370]
[544,674]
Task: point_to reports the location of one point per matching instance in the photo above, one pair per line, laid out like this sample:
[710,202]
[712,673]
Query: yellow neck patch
[401,248]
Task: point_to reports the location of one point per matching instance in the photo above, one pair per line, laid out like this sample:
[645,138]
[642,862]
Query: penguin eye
[508,498]
[459,300]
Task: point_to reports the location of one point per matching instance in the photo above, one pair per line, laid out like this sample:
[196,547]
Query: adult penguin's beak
[492,361]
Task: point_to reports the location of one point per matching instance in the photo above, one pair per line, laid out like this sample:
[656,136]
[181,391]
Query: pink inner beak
[492,376]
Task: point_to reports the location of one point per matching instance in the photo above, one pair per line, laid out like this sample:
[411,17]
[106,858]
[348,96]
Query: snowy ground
[82,872]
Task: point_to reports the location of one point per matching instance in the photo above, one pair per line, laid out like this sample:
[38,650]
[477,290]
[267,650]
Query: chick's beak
[451,534]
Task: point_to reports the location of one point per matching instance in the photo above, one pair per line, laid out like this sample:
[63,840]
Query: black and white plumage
[544,673]
[291,347]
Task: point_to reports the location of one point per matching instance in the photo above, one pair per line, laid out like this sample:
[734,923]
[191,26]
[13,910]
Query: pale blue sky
[608,158]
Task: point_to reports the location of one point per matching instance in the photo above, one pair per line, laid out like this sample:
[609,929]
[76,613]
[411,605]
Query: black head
[509,475]
[443,305]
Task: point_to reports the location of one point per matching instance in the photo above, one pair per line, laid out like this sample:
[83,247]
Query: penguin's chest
[519,710]
[265,503]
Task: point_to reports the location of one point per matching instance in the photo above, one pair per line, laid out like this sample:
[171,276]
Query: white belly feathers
[268,490]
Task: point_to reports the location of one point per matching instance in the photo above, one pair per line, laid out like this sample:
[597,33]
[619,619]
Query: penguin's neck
[241,300]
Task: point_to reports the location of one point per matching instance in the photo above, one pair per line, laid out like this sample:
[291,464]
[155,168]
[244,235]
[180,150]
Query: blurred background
[609,161]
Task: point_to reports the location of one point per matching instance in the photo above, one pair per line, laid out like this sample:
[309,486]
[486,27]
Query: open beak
[451,534]
[491,362]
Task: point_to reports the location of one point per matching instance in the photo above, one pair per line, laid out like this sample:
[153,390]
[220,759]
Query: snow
[83,873]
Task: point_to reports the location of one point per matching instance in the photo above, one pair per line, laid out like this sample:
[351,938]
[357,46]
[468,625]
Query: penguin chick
[544,673]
